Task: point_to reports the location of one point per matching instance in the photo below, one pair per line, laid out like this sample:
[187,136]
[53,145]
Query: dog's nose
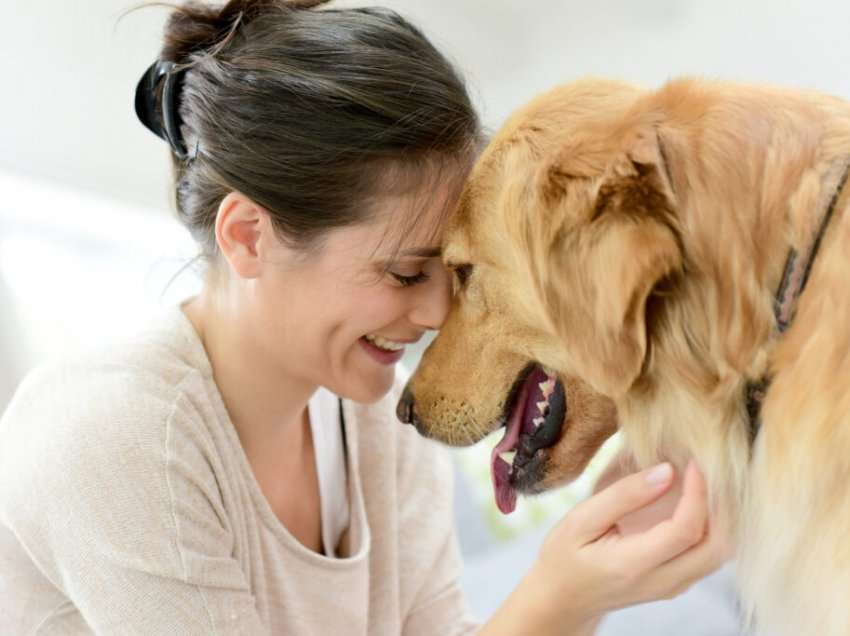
[404,410]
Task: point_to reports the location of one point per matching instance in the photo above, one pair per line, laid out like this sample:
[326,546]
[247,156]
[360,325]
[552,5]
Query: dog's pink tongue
[505,493]
[500,470]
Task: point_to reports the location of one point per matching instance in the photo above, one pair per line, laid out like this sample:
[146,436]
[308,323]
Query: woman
[238,468]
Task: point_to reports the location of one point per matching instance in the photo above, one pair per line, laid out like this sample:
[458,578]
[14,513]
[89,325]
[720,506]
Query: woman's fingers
[670,538]
[594,517]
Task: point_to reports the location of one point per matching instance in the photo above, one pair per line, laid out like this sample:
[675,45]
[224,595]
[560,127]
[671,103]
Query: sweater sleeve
[111,489]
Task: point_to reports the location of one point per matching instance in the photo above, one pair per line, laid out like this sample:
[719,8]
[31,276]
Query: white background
[68,69]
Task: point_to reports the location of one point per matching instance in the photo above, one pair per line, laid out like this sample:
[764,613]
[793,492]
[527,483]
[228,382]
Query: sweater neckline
[359,532]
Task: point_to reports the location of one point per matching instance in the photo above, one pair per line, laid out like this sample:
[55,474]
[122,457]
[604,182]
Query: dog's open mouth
[534,421]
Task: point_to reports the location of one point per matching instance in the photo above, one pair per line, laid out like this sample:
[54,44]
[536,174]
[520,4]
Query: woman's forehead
[385,240]
[417,238]
[397,228]
[399,225]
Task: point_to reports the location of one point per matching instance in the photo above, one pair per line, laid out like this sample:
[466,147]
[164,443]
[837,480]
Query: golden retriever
[617,255]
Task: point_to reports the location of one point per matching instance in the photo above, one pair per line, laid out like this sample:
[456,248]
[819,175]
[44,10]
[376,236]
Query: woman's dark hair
[310,113]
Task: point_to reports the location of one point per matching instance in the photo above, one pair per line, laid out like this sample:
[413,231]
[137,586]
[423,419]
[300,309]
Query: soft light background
[88,248]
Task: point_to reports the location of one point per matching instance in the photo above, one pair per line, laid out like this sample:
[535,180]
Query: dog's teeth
[541,406]
[508,457]
[547,387]
[538,421]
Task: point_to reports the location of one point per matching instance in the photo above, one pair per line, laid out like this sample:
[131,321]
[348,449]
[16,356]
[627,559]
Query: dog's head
[564,230]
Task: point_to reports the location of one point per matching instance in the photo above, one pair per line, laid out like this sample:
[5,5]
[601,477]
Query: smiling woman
[235,467]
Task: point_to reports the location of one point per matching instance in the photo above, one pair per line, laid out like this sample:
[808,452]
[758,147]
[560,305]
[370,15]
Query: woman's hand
[647,516]
[589,565]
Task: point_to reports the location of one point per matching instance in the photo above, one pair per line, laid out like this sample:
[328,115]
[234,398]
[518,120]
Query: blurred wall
[68,69]
[13,356]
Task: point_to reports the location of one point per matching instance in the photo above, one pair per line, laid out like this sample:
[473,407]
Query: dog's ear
[615,240]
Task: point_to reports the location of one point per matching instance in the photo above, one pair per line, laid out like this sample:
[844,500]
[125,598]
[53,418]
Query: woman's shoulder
[112,448]
[104,403]
[146,369]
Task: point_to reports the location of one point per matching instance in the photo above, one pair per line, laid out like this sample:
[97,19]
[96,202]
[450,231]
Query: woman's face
[341,316]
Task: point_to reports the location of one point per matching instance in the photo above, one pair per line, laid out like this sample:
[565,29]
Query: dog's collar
[798,266]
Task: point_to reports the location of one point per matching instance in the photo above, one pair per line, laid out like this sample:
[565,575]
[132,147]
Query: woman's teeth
[383,343]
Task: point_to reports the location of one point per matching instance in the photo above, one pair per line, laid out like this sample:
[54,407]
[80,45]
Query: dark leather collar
[798,266]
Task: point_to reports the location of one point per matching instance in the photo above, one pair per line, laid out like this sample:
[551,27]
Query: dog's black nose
[404,410]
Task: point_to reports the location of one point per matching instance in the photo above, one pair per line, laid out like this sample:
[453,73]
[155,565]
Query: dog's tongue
[499,469]
[505,493]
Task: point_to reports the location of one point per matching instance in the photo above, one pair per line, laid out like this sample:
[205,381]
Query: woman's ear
[603,264]
[239,227]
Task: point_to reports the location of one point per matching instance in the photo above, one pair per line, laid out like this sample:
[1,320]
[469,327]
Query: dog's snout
[404,410]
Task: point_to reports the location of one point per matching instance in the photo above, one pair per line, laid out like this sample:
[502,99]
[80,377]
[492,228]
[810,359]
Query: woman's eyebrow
[422,252]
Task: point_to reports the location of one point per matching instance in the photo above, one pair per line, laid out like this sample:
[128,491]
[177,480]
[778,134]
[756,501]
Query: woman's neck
[267,407]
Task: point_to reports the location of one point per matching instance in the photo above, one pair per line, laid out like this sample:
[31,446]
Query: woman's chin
[371,386]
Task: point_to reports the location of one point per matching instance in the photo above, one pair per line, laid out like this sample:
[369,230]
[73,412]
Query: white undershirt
[328,446]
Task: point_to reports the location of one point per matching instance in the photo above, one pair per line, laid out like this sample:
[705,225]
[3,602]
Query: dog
[672,263]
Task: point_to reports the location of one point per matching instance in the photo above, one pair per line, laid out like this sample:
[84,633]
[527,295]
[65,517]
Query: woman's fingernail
[660,474]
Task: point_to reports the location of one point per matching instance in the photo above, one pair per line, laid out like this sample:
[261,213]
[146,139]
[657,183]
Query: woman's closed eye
[407,281]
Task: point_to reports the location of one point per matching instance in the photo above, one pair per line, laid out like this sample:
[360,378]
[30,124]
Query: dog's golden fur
[633,241]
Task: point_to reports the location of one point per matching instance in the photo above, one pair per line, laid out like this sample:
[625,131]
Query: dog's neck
[745,202]
[739,222]
[794,278]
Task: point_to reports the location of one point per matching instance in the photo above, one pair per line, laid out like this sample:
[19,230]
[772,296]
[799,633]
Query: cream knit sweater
[128,506]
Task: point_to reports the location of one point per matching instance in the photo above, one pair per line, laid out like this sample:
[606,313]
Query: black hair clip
[163,122]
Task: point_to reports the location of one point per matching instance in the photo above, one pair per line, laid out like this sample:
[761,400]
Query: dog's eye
[463,272]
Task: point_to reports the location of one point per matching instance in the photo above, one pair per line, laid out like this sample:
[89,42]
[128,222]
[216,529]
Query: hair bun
[195,27]
[305,4]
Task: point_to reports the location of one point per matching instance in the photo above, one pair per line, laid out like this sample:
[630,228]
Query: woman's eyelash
[407,281]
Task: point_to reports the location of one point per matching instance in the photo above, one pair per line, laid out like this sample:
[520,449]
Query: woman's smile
[384,350]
